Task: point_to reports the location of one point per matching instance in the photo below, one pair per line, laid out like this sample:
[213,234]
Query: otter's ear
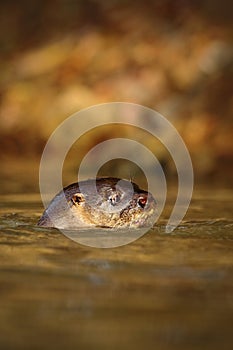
[77,198]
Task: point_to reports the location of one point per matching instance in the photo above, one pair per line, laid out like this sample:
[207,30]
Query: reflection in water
[162,291]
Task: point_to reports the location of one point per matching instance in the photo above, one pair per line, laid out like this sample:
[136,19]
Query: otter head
[116,203]
[103,202]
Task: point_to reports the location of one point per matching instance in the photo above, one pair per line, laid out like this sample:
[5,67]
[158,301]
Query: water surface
[164,291]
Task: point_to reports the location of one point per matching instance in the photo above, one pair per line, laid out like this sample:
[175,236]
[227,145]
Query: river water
[163,291]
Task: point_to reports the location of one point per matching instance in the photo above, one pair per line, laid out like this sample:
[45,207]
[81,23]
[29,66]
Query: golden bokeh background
[61,56]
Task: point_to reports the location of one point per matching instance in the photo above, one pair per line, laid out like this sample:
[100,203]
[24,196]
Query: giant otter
[117,203]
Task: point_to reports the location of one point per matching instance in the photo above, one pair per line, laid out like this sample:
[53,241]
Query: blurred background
[60,56]
[163,291]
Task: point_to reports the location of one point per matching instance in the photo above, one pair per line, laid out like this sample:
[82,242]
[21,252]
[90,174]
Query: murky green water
[160,292]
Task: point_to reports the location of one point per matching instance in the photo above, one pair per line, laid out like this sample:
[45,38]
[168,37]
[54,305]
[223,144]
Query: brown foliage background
[173,56]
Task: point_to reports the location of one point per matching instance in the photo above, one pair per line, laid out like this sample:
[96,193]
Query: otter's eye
[77,198]
[114,199]
[142,201]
